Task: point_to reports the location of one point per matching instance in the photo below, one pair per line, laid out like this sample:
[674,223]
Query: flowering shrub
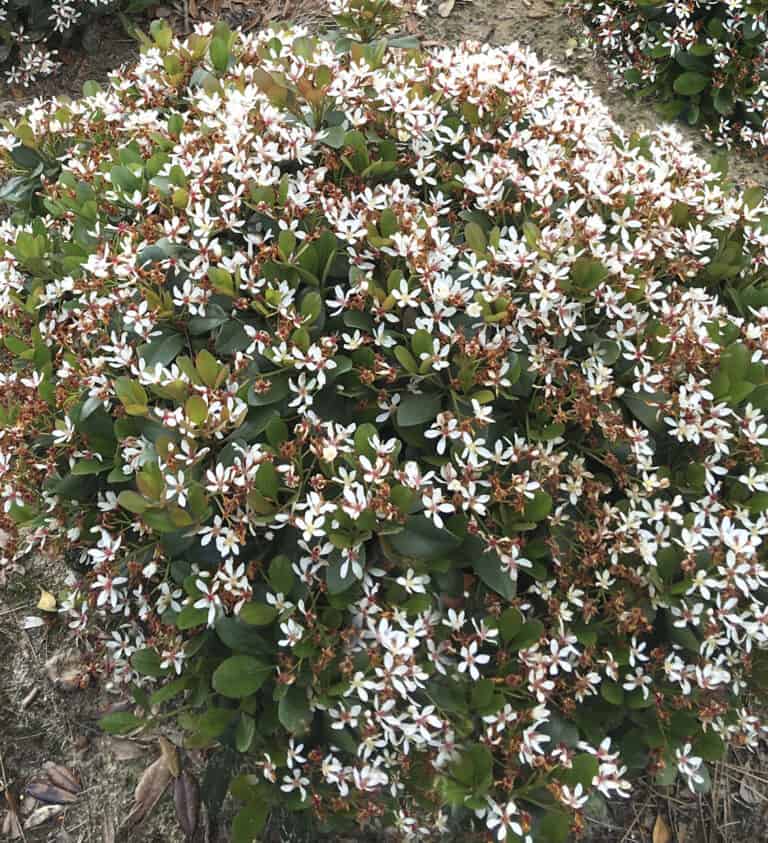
[706,61]
[398,414]
[29,27]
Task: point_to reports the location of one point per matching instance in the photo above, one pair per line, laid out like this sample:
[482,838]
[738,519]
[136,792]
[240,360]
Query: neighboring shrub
[401,415]
[706,61]
[30,30]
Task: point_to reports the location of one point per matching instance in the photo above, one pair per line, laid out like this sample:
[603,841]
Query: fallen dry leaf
[170,755]
[749,791]
[47,601]
[445,8]
[65,670]
[45,791]
[124,750]
[62,776]
[42,815]
[661,832]
[152,785]
[32,622]
[11,826]
[186,798]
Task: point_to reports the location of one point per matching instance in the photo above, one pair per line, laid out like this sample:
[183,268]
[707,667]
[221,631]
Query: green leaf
[208,367]
[418,409]
[691,83]
[267,480]
[281,574]
[190,617]
[147,662]
[162,350]
[120,722]
[132,396]
[169,691]
[554,827]
[196,409]
[646,413]
[25,157]
[510,623]
[474,769]
[249,822]
[214,722]
[587,273]
[538,507]
[529,634]
[286,243]
[133,502]
[584,767]
[333,136]
[422,540]
[219,51]
[406,359]
[258,614]
[709,746]
[612,692]
[475,237]
[293,710]
[246,729]
[240,676]
[241,637]
[162,33]
[487,566]
[337,584]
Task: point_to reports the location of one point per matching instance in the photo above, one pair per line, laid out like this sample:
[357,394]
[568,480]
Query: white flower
[470,659]
[413,583]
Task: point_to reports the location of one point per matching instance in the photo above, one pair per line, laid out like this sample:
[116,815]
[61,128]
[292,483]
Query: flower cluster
[30,29]
[398,412]
[706,61]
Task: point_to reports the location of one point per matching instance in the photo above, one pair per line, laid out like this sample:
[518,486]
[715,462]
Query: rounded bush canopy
[402,412]
[704,61]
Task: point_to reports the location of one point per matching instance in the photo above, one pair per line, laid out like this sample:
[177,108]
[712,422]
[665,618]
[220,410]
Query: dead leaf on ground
[186,798]
[42,815]
[152,785]
[445,8]
[62,776]
[661,832]
[47,601]
[123,749]
[11,826]
[170,755]
[750,790]
[45,791]
[65,670]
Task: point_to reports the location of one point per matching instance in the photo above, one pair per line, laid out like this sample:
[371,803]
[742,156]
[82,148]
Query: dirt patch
[45,723]
[106,45]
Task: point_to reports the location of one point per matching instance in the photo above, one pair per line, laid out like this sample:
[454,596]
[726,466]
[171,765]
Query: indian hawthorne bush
[707,61]
[30,29]
[402,419]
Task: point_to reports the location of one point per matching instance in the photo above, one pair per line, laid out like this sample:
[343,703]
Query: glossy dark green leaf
[240,676]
